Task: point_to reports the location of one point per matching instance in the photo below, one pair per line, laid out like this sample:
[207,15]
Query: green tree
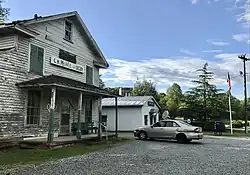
[4,12]
[145,88]
[173,99]
[113,90]
[203,95]
[101,82]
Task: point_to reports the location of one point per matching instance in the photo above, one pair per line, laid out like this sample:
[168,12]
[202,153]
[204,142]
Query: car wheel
[143,135]
[188,140]
[181,138]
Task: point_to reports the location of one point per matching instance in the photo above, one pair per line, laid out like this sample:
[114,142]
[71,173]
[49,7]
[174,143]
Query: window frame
[145,121]
[172,125]
[86,109]
[160,122]
[71,32]
[29,54]
[92,75]
[62,50]
[40,106]
[151,103]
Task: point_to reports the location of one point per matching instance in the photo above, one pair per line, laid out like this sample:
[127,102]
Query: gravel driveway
[209,156]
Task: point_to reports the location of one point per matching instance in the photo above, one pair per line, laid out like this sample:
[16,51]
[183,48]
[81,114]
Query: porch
[60,106]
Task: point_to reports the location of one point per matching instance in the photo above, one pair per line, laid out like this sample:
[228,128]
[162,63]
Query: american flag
[229,82]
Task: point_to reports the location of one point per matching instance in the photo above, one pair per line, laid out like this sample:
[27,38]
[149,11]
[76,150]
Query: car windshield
[184,123]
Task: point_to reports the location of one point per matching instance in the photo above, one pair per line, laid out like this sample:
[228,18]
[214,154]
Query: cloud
[211,51]
[242,37]
[182,70]
[244,17]
[187,52]
[217,42]
[195,1]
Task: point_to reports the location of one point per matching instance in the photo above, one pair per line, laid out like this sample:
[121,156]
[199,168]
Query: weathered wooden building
[49,76]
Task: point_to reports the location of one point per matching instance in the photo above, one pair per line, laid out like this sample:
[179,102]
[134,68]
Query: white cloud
[195,1]
[244,17]
[165,72]
[188,52]
[211,51]
[217,42]
[242,37]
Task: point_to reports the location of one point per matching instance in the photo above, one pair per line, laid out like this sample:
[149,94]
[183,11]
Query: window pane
[89,75]
[33,108]
[68,26]
[36,59]
[145,119]
[169,124]
[67,56]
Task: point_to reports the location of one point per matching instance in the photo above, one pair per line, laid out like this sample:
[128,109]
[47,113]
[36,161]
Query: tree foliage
[204,95]
[113,90]
[101,82]
[145,88]
[173,99]
[4,12]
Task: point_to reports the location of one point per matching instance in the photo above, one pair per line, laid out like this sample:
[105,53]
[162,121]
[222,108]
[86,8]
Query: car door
[170,129]
[157,130]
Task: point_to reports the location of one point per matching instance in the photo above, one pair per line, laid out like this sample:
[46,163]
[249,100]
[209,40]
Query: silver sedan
[170,129]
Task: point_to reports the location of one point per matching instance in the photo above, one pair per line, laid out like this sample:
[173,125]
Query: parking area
[205,157]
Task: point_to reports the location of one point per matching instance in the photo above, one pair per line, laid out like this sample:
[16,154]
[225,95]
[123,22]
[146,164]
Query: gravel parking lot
[209,156]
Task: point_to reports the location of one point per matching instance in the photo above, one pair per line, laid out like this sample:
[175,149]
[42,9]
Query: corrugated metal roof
[126,101]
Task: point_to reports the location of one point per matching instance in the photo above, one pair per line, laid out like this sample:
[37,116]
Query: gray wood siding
[51,39]
[7,42]
[13,66]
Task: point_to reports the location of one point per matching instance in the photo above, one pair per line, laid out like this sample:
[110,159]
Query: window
[67,56]
[145,119]
[159,124]
[89,75]
[150,103]
[171,124]
[88,110]
[68,30]
[33,108]
[36,59]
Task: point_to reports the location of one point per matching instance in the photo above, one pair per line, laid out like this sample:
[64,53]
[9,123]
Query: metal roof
[126,101]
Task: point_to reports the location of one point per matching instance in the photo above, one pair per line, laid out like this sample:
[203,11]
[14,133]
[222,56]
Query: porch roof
[63,82]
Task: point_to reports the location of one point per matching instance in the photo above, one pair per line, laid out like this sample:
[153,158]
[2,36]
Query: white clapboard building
[133,111]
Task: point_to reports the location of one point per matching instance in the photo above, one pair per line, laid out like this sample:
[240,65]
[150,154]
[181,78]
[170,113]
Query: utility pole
[243,57]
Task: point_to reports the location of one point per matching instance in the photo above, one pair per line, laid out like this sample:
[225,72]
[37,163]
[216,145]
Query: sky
[164,41]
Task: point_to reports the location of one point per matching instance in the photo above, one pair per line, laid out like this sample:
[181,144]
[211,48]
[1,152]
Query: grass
[16,156]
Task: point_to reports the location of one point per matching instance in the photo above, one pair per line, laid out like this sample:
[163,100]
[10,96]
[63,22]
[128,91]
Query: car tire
[181,138]
[188,140]
[143,135]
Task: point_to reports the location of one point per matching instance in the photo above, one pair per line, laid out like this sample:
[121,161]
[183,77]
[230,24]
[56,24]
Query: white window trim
[26,107]
[92,74]
[44,56]
[72,29]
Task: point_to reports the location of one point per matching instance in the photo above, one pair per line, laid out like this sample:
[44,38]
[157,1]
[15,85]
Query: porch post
[52,114]
[100,119]
[78,132]
[116,117]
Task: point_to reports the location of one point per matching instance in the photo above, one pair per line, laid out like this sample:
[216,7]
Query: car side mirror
[151,126]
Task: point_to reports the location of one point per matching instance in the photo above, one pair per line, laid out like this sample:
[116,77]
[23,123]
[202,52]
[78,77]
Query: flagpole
[230,112]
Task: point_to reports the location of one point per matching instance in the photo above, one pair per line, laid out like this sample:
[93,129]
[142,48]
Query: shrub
[208,125]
